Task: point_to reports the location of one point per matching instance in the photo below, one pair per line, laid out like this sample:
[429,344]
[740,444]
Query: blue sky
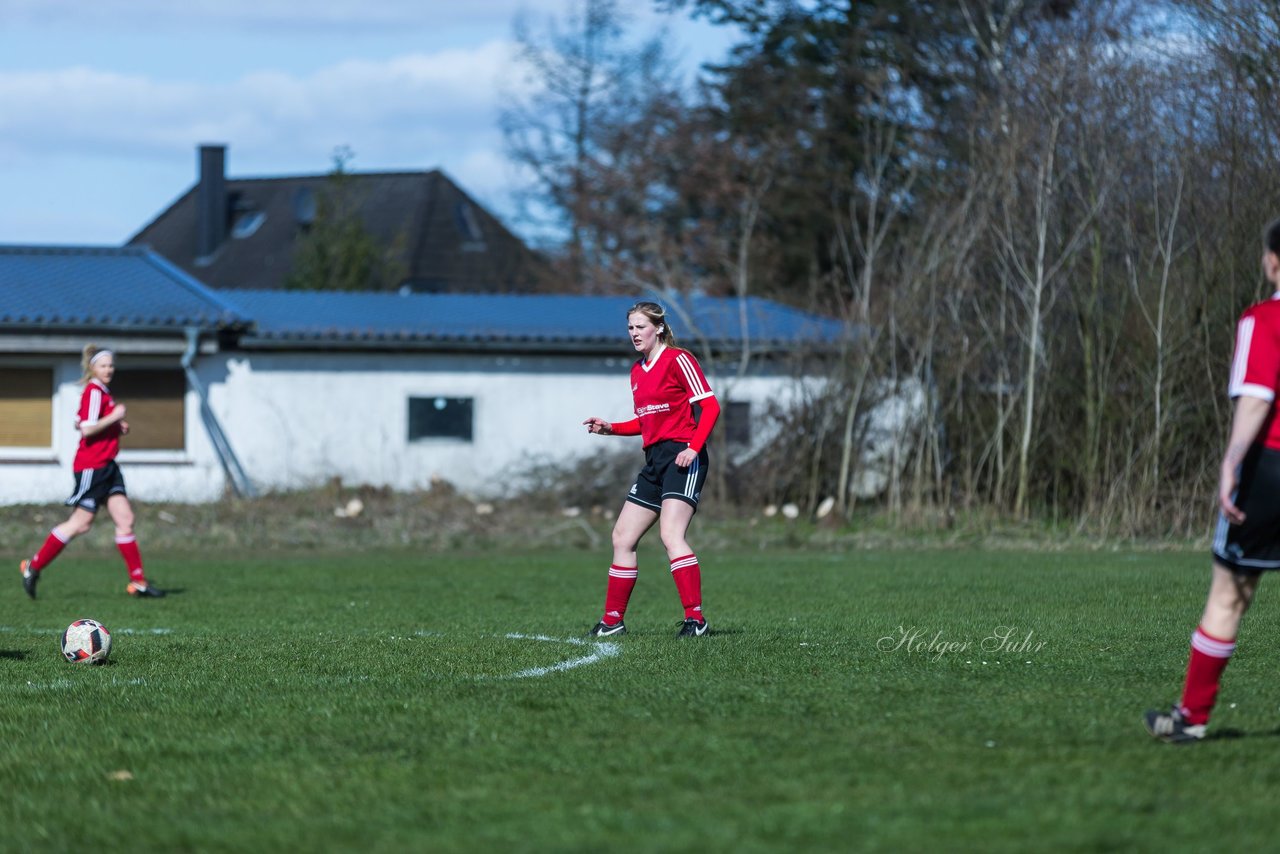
[104,102]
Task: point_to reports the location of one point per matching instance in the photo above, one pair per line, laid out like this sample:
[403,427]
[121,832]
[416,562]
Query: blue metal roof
[98,287]
[132,289]
[284,318]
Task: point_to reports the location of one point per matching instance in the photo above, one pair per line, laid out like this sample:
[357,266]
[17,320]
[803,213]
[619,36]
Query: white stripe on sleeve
[1240,366]
[697,386]
[95,406]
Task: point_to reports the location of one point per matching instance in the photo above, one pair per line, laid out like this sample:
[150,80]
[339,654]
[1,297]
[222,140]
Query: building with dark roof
[245,232]
[254,390]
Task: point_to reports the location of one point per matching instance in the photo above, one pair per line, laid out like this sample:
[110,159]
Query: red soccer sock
[53,544]
[622,580]
[688,578]
[1209,657]
[128,547]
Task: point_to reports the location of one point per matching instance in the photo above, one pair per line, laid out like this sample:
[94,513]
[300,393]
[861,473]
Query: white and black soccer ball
[86,642]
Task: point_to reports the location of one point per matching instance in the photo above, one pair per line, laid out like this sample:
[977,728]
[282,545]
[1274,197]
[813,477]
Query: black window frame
[440,416]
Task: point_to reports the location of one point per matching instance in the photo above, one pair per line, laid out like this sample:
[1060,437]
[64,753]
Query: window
[440,418]
[247,223]
[737,422]
[469,227]
[157,408]
[26,408]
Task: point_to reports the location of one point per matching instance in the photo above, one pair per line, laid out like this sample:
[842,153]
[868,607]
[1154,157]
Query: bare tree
[580,82]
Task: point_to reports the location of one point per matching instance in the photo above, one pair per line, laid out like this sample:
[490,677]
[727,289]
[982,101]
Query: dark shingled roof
[85,287]
[441,237]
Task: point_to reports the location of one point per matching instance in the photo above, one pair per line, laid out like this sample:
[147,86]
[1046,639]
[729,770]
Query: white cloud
[103,102]
[305,15]
[383,109]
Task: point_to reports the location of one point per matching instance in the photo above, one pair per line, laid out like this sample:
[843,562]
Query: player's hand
[118,412]
[685,458]
[598,425]
[1227,484]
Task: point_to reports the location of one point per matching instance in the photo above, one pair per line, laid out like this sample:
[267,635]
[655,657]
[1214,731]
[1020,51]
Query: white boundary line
[64,684]
[603,650]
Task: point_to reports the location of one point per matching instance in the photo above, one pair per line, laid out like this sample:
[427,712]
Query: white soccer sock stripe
[1211,647]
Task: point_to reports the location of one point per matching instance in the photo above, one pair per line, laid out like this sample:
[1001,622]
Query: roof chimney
[211,201]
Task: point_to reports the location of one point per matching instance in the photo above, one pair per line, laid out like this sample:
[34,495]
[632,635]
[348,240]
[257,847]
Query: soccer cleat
[1171,727]
[605,630]
[692,628]
[29,578]
[144,591]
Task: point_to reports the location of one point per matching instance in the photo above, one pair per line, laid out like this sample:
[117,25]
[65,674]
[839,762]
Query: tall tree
[581,81]
[336,252]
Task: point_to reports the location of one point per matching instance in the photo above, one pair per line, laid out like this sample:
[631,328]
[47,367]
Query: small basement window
[440,418]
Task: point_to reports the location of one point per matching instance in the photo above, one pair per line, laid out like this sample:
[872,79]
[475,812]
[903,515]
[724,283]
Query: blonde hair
[657,315]
[86,361]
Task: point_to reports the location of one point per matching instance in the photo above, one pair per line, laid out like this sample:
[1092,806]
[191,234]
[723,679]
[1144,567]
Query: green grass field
[395,701]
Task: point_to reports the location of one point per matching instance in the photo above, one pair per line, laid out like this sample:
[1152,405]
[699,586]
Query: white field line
[602,651]
[63,684]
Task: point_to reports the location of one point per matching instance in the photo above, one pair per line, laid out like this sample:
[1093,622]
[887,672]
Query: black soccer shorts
[661,478]
[94,486]
[1254,545]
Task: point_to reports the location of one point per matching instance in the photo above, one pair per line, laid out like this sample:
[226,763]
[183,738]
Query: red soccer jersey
[1255,370]
[663,389]
[101,448]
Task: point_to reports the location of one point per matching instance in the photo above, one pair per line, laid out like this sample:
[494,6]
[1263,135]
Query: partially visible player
[98,480]
[665,383]
[1246,542]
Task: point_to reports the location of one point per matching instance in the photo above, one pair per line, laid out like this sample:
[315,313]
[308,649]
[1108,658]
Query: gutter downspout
[230,464]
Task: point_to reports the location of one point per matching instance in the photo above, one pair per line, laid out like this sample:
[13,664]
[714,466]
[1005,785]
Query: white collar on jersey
[657,351]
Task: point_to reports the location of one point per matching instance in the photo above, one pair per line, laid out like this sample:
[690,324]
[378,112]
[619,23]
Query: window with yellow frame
[156,401]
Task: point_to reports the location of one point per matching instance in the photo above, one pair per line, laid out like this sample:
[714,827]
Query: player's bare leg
[1212,644]
[673,527]
[78,523]
[1230,595]
[633,521]
[122,515]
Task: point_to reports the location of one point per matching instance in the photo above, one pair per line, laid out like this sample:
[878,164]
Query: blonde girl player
[98,481]
[665,383]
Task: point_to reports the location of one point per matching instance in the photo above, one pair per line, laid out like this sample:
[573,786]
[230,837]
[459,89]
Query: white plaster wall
[43,475]
[298,420]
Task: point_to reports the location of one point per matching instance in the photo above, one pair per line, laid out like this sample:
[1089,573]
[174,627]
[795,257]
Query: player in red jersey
[665,383]
[1246,541]
[98,480]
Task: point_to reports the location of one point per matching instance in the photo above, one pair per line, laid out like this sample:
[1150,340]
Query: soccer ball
[86,642]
